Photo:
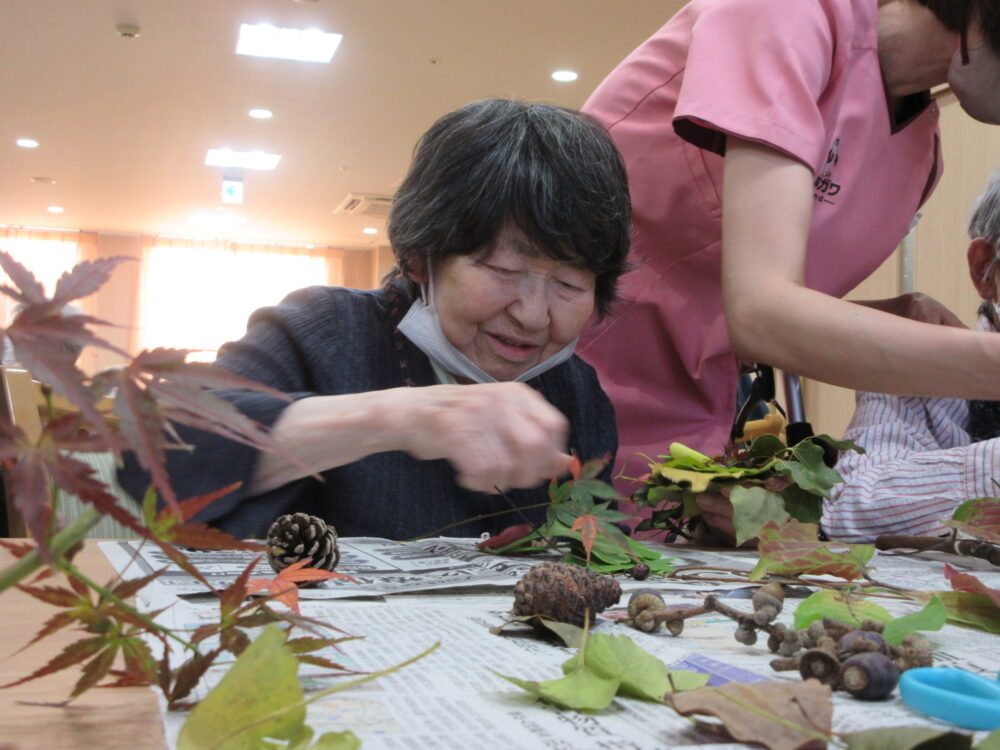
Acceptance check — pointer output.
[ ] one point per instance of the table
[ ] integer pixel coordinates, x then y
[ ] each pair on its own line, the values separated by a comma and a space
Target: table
125, 718
454, 694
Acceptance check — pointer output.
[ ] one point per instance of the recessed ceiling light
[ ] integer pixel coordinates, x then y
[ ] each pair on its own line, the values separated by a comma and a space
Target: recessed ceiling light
27, 143
42, 180
56, 209
564, 76
220, 218
370, 230
261, 114
308, 45
226, 157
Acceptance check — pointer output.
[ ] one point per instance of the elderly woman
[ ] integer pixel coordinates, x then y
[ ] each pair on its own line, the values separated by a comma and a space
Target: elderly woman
778, 151
418, 401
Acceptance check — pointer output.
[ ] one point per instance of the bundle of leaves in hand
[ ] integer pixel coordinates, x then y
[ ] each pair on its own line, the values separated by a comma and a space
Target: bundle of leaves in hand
587, 529
768, 481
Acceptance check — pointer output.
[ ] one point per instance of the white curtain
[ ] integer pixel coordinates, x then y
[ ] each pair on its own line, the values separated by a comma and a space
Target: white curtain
198, 295
46, 254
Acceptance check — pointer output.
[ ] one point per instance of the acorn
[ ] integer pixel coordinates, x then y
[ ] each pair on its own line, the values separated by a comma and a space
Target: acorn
767, 602
821, 665
860, 642
641, 604
745, 634
870, 676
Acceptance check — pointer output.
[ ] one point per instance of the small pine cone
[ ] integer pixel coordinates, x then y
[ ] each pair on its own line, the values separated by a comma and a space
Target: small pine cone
564, 592
298, 536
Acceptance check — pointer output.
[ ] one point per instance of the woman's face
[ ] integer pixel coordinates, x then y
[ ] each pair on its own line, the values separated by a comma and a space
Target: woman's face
513, 309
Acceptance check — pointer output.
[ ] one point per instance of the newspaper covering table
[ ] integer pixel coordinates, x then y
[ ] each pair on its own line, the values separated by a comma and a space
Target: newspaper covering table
409, 596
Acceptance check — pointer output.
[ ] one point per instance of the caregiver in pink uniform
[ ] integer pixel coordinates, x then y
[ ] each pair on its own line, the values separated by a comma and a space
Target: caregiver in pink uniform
777, 152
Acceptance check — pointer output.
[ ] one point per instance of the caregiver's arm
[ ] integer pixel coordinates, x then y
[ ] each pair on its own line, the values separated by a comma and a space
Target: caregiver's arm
496, 434
773, 318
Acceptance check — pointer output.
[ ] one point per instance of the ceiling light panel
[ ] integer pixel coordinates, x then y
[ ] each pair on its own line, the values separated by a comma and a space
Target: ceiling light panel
226, 157
564, 76
259, 113
307, 45
27, 143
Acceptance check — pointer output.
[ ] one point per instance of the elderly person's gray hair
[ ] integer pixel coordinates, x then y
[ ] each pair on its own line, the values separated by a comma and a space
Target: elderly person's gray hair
984, 220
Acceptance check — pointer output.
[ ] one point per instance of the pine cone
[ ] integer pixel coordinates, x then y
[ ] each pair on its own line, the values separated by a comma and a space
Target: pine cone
564, 592
299, 536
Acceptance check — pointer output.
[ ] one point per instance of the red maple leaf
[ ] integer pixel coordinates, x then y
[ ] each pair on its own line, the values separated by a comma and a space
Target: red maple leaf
284, 586
159, 387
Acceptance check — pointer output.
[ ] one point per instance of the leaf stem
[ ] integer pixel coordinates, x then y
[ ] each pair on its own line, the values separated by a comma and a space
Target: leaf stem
70, 569
58, 545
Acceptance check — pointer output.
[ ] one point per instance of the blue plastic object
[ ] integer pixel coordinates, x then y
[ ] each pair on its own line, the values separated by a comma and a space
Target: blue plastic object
963, 698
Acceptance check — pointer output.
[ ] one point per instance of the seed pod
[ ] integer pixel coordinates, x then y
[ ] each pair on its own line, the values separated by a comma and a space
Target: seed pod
644, 599
821, 665
870, 676
791, 643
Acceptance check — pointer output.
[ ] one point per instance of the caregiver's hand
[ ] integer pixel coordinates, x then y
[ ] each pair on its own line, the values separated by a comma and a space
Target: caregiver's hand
495, 435
916, 306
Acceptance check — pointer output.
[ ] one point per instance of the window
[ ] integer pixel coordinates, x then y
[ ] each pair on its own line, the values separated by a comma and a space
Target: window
198, 295
46, 254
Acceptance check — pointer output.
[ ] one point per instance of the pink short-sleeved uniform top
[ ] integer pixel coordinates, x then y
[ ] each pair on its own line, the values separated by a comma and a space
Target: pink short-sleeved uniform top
802, 76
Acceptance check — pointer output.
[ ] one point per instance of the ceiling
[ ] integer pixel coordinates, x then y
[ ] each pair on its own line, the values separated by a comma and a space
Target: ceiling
124, 124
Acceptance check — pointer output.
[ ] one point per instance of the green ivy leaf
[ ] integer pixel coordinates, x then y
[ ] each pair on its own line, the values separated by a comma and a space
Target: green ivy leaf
640, 674
837, 605
581, 690
766, 446
931, 617
262, 681
840, 444
907, 738
808, 470
801, 505
752, 508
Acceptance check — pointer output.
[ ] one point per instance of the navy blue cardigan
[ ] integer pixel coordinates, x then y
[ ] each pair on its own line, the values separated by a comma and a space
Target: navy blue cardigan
329, 341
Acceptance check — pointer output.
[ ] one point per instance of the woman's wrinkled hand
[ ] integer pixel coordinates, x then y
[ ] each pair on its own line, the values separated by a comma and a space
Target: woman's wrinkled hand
916, 306
496, 435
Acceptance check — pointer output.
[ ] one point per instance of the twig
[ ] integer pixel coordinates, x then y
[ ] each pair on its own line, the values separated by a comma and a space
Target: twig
480, 517
977, 548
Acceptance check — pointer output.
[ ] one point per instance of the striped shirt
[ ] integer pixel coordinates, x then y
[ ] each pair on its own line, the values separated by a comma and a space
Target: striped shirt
919, 466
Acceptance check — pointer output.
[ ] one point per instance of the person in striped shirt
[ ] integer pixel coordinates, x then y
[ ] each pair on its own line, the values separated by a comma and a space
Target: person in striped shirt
925, 456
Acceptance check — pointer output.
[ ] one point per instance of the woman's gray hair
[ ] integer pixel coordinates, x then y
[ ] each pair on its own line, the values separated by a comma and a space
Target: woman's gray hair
984, 221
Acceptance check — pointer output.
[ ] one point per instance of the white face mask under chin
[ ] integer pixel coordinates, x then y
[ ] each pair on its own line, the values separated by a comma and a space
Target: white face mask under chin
423, 328
977, 83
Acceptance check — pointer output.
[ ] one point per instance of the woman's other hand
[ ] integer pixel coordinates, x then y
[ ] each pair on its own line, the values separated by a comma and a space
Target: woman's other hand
916, 306
496, 435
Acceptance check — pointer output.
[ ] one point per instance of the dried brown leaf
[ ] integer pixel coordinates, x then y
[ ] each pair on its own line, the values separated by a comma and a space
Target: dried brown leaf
778, 715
